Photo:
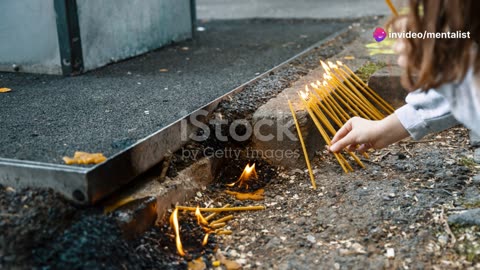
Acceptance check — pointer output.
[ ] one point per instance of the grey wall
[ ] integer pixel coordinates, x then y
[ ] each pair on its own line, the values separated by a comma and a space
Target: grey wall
28, 36
117, 29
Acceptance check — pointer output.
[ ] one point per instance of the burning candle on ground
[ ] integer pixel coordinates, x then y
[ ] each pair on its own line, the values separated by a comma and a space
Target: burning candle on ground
248, 174
176, 228
305, 153
205, 239
200, 219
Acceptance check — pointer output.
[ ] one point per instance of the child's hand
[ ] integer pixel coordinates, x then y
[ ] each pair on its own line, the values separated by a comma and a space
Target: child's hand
366, 134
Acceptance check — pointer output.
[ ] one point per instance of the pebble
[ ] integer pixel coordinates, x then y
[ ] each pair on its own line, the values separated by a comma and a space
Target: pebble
301, 221
273, 243
476, 179
443, 240
311, 239
390, 253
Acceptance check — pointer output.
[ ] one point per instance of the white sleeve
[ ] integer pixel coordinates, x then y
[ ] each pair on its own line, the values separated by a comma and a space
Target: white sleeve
424, 113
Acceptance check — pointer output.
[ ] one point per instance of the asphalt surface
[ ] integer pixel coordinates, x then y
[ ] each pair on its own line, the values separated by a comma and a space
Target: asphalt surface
319, 9
47, 117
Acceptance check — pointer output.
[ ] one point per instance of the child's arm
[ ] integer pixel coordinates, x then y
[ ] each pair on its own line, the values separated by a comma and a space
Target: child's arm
425, 112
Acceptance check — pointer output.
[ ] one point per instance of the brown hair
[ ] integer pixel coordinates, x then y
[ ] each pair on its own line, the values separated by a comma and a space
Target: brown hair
432, 62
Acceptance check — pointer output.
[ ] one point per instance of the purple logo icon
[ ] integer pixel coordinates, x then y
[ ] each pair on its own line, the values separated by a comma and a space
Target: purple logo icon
379, 34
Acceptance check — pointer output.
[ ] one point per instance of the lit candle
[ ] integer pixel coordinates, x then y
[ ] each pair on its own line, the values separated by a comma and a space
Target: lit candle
345, 95
362, 105
366, 105
330, 128
327, 110
338, 156
321, 91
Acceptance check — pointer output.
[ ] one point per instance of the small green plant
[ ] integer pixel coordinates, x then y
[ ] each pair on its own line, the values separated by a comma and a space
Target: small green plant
365, 71
467, 162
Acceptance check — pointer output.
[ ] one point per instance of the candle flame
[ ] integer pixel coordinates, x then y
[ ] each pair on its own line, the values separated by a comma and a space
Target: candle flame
205, 239
332, 65
340, 63
248, 174
176, 227
314, 85
325, 66
200, 219
303, 95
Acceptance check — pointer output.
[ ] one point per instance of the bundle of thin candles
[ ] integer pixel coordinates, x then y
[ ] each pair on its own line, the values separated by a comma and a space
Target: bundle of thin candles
331, 102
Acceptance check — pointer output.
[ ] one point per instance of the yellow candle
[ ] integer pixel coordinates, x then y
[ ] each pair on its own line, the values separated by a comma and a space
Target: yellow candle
225, 209
374, 113
374, 98
366, 87
349, 99
392, 7
332, 103
355, 99
325, 121
324, 135
305, 154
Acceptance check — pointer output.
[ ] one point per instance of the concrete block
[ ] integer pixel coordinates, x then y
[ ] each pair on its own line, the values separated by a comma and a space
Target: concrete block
474, 139
150, 199
285, 151
386, 82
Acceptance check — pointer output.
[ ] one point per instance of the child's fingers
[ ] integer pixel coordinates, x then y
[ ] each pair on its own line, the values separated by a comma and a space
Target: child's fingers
342, 132
364, 147
352, 147
342, 143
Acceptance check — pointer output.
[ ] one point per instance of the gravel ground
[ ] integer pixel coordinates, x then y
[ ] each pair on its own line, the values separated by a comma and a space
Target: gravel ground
399, 203
390, 215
